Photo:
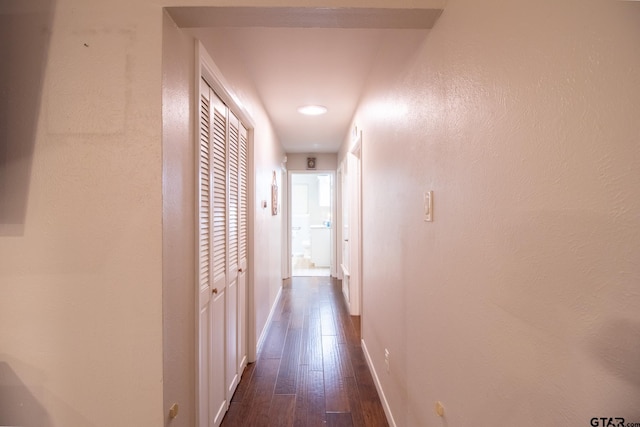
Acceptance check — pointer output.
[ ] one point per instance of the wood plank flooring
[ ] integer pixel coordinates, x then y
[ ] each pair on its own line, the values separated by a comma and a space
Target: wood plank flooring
311, 370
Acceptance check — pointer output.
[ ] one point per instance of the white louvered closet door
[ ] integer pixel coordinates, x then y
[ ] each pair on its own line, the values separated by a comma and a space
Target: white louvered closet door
212, 258
232, 289
219, 339
243, 235
204, 254
222, 256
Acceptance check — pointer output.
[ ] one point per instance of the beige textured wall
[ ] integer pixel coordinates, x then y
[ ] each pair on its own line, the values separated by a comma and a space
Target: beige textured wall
80, 282
519, 304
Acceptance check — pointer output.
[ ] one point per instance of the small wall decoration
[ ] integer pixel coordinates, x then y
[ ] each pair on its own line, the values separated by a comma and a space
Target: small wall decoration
311, 163
274, 195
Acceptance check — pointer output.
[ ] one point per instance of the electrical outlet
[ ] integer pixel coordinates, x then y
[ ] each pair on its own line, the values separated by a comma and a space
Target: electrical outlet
173, 411
386, 360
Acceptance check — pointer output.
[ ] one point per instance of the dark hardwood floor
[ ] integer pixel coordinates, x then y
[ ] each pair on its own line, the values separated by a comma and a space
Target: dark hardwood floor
311, 370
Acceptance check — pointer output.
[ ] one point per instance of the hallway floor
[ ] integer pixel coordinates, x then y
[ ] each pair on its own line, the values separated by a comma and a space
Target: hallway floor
311, 370
312, 272
302, 266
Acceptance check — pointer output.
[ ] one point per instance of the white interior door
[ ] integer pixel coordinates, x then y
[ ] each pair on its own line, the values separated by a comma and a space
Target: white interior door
204, 255
222, 256
234, 265
355, 236
345, 264
243, 239
211, 260
218, 334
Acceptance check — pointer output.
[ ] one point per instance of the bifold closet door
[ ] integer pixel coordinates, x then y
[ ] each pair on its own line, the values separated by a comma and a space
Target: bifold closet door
243, 236
232, 288
222, 255
212, 258
204, 254
219, 339
237, 167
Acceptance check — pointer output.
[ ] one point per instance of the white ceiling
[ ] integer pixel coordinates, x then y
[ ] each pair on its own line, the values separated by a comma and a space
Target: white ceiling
292, 66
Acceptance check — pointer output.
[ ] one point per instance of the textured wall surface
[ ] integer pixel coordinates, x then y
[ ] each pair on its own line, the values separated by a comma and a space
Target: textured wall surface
80, 277
519, 304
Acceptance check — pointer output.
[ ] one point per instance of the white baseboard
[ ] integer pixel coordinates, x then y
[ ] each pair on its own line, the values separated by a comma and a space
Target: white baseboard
263, 334
376, 380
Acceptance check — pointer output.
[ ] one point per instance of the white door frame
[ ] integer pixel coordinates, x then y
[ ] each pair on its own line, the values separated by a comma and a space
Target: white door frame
332, 243
286, 244
356, 294
351, 183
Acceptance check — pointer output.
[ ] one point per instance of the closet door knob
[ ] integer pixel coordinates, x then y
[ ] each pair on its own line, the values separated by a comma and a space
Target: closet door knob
214, 291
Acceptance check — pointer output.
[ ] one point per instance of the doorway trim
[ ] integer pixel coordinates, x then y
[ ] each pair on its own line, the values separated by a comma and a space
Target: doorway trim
351, 185
332, 243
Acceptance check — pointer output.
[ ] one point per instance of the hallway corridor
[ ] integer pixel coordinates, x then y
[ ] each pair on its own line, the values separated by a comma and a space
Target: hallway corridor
311, 370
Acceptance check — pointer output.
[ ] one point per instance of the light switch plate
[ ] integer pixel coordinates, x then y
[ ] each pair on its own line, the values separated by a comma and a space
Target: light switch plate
428, 206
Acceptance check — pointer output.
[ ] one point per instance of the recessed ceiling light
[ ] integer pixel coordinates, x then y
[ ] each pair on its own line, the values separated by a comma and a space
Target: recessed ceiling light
312, 110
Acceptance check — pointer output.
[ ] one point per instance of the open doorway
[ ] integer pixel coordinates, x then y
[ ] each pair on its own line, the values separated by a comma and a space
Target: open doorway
311, 223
